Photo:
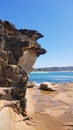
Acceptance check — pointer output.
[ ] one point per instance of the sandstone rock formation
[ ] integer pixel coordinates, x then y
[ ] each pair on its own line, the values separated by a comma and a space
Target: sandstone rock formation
20, 45
18, 52
47, 86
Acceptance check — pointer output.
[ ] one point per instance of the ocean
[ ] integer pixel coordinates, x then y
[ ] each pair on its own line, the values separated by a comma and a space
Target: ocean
55, 77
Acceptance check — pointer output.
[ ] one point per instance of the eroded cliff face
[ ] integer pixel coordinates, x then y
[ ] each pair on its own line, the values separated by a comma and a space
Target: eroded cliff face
18, 52
18, 47
20, 43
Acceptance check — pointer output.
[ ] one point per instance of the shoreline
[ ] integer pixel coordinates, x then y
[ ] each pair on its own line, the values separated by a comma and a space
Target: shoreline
49, 71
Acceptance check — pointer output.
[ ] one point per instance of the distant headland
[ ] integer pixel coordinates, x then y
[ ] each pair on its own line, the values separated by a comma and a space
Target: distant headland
69, 68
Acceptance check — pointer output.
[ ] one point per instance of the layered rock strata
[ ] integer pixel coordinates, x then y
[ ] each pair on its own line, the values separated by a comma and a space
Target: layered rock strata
18, 52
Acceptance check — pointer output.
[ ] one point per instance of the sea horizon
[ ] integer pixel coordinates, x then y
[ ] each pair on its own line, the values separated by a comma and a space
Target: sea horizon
51, 76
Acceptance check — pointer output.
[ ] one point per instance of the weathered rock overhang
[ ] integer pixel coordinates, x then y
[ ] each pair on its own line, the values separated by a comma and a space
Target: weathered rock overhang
20, 42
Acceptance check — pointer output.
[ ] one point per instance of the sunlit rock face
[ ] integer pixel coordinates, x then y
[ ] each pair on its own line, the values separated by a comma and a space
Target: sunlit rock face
27, 60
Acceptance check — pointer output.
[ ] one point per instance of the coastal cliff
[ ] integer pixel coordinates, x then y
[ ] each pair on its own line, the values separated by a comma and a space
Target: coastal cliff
19, 50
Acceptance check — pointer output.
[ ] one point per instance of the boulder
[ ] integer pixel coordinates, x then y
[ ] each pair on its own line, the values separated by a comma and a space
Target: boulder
47, 86
30, 84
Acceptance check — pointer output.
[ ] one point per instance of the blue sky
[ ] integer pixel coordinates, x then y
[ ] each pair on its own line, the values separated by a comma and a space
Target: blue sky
52, 18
